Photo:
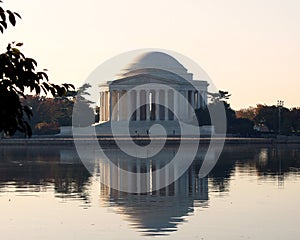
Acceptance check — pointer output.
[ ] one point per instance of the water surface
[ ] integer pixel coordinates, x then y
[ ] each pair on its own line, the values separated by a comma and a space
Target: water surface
252, 193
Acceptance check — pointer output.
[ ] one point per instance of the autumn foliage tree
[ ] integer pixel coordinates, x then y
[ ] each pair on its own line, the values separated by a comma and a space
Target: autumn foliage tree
49, 114
268, 116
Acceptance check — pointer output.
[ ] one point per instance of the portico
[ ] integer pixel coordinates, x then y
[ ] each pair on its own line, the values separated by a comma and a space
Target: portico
152, 101
154, 87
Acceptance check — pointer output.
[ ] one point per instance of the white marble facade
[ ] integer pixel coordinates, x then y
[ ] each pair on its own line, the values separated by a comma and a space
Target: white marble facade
149, 68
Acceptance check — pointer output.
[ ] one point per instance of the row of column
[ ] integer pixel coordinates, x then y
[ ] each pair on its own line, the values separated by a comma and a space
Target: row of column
121, 105
104, 106
188, 184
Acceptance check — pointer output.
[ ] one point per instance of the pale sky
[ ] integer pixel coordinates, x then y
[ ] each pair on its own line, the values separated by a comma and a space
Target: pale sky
250, 48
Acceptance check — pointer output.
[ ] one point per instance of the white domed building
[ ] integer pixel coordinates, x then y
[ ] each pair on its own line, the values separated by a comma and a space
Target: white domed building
153, 88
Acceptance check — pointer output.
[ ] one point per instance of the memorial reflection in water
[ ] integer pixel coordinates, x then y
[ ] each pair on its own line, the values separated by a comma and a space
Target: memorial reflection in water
155, 212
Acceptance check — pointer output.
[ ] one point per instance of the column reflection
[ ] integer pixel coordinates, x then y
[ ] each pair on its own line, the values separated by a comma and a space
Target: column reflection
156, 212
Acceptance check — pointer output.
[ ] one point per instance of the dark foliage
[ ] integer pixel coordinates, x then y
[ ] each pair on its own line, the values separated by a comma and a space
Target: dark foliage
237, 126
17, 74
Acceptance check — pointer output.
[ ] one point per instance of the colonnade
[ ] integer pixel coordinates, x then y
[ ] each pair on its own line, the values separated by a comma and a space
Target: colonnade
121, 105
104, 106
188, 184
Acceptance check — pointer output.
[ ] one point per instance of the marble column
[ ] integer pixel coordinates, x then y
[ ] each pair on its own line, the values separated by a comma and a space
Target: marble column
148, 105
186, 105
118, 105
173, 99
180, 104
133, 104
193, 100
204, 99
192, 103
129, 105
110, 104
201, 99
122, 106
156, 104
198, 99
138, 112
176, 106
100, 108
104, 106
166, 105
114, 106
162, 104
120, 109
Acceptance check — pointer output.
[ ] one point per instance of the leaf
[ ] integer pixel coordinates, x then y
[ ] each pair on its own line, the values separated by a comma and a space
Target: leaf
32, 61
44, 89
68, 86
1, 29
18, 15
11, 17
2, 14
16, 51
46, 85
37, 90
4, 24
43, 74
52, 90
19, 44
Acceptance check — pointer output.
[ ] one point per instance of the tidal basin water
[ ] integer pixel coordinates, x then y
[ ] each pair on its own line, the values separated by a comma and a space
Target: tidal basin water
252, 193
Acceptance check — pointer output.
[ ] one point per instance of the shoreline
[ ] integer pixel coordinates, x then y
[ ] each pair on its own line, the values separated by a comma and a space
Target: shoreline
109, 141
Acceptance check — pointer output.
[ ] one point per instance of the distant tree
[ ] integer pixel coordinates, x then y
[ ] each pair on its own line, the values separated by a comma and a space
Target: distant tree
247, 113
48, 114
238, 126
17, 74
83, 113
295, 120
269, 116
97, 114
216, 99
264, 115
221, 96
203, 117
51, 113
243, 127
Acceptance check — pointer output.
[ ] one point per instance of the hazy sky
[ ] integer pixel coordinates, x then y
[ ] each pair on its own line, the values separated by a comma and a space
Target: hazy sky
249, 47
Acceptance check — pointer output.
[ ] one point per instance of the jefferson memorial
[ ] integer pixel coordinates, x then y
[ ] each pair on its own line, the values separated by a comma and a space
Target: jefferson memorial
153, 88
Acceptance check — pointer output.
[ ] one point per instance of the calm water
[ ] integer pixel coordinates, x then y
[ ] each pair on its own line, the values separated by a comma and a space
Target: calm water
252, 193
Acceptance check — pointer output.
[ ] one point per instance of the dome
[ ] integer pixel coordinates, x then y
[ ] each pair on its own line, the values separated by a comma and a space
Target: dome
159, 73
157, 60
